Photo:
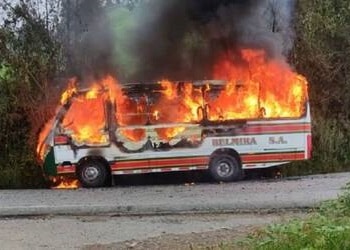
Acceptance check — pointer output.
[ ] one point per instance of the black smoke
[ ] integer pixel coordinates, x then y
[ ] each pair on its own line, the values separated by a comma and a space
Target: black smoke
181, 40
87, 39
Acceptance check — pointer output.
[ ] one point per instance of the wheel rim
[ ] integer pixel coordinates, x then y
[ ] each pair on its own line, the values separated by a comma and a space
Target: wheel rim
224, 169
91, 173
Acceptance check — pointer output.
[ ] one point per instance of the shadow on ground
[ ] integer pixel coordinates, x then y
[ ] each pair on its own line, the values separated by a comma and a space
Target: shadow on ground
190, 178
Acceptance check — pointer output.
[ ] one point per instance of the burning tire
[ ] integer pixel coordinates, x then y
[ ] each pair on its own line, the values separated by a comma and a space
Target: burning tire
92, 173
225, 167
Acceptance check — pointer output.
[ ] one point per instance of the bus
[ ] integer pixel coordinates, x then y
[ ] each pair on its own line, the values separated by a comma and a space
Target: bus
169, 127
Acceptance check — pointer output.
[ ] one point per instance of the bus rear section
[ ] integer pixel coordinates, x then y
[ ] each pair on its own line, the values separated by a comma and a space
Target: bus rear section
143, 129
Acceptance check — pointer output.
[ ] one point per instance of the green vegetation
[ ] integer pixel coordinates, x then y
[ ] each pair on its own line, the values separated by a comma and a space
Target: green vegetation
326, 229
322, 52
28, 61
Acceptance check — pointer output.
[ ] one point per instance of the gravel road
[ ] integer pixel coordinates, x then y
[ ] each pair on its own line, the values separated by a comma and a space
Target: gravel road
135, 232
193, 215
296, 193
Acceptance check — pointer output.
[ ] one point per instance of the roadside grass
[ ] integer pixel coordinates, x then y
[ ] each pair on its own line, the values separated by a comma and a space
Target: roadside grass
326, 228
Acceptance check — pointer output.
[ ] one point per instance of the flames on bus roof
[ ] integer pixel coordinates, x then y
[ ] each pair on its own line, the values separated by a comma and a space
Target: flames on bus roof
258, 88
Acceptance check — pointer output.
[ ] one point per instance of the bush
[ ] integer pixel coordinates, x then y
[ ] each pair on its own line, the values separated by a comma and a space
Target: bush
29, 60
329, 228
322, 52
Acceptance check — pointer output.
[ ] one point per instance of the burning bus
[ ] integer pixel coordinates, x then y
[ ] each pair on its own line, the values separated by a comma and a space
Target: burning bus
256, 118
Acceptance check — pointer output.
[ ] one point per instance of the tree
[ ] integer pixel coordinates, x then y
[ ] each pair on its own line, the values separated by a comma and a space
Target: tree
322, 54
32, 59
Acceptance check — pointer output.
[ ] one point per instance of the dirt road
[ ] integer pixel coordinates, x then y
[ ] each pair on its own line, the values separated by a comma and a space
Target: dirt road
131, 217
136, 232
303, 192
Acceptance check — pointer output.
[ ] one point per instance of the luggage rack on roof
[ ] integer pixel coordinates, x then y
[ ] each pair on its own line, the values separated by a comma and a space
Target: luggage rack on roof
135, 89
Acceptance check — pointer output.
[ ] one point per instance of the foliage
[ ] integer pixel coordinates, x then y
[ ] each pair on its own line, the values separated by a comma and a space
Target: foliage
29, 62
329, 228
18, 168
322, 53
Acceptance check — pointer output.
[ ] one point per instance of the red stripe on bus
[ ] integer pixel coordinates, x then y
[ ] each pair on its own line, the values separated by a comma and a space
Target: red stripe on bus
256, 158
130, 164
305, 125
264, 129
273, 157
161, 170
184, 163
61, 140
173, 162
201, 161
65, 169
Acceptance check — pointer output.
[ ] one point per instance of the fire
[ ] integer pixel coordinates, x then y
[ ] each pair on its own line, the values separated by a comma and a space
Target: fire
255, 87
169, 133
258, 87
63, 182
93, 93
85, 120
178, 103
42, 146
71, 90
134, 134
156, 115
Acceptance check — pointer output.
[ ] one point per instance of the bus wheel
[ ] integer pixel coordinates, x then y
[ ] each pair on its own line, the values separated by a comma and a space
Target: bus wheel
225, 168
92, 173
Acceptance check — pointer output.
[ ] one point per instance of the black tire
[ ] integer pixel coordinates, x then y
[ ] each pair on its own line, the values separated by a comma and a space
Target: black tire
225, 168
93, 173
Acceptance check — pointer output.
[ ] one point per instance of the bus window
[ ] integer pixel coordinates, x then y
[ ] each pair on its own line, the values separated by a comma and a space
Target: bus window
177, 103
235, 101
85, 121
131, 112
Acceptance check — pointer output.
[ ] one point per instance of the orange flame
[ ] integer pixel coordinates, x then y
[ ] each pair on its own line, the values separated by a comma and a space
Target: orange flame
63, 182
85, 120
70, 91
256, 87
42, 146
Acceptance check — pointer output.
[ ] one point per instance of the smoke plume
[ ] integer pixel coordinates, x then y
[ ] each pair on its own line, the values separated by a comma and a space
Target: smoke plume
181, 40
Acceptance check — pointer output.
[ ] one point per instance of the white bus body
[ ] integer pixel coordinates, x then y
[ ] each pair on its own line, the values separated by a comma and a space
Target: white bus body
225, 149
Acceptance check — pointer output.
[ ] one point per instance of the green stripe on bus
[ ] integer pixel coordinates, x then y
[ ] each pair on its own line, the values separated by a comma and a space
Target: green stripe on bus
50, 168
